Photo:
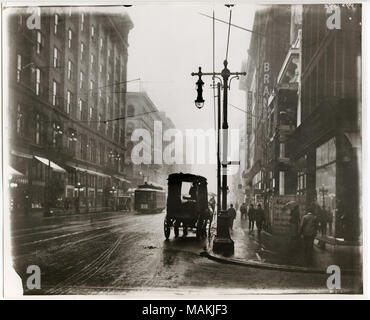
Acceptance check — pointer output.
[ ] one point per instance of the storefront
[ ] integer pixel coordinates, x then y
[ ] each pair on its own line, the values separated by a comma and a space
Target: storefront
18, 190
327, 178
325, 153
325, 187
42, 181
85, 188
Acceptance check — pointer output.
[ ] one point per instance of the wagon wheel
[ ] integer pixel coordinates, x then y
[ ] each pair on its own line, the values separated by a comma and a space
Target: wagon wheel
166, 228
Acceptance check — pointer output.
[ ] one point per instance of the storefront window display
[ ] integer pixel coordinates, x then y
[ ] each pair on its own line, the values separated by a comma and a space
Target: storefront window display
325, 186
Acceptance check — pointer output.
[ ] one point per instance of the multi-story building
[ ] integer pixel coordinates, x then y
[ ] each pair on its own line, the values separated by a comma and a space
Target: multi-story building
143, 114
268, 47
237, 192
66, 89
311, 122
326, 145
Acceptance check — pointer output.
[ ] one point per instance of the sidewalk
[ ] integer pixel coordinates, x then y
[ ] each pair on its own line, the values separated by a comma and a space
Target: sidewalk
281, 253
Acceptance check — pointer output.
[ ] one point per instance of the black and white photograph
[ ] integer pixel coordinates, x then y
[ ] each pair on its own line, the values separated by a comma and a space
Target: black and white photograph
201, 149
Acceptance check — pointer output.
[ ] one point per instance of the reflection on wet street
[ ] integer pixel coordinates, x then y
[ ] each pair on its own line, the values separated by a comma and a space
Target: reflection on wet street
117, 253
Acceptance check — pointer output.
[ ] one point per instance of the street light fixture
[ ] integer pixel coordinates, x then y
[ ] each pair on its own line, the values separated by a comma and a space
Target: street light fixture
199, 102
72, 135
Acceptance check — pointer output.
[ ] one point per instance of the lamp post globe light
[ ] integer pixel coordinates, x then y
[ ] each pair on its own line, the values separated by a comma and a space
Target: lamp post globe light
199, 102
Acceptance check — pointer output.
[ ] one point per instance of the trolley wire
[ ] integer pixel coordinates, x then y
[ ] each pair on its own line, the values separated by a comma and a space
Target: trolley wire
228, 34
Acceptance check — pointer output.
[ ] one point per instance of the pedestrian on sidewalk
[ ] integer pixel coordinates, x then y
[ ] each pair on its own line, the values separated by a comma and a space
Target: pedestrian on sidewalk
294, 222
232, 215
324, 220
260, 218
128, 204
212, 203
251, 216
243, 211
308, 231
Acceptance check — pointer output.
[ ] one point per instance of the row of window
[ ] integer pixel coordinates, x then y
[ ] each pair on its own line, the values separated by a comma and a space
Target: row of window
87, 150
56, 27
70, 69
56, 88
21, 125
97, 152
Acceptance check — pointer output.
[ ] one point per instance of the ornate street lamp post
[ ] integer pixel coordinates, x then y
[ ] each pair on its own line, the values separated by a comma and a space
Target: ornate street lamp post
223, 242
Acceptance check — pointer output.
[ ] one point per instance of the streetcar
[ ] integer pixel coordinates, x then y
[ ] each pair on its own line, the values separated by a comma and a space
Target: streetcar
149, 198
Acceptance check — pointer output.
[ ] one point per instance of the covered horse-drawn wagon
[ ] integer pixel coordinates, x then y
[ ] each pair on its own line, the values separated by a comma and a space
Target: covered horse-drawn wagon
187, 205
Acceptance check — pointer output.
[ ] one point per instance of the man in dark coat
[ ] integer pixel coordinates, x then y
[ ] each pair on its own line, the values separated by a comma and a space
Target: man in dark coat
212, 203
294, 221
193, 191
260, 218
243, 211
251, 216
232, 215
308, 231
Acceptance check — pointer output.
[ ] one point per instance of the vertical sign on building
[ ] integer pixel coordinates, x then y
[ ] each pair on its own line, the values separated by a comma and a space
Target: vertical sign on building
266, 84
249, 112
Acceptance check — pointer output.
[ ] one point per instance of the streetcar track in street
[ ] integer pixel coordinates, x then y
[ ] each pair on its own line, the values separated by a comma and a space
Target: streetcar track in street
88, 271
67, 235
70, 244
55, 227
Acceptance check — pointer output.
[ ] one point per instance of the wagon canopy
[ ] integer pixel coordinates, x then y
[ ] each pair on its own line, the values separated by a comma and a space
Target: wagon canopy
185, 177
180, 207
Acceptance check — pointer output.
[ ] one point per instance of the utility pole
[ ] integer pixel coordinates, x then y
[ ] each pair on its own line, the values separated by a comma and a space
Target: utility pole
223, 242
218, 147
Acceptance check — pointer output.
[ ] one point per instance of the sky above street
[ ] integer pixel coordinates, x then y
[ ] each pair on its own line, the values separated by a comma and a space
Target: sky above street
169, 42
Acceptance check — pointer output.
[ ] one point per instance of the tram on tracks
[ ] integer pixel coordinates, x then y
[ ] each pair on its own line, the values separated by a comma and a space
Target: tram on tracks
149, 198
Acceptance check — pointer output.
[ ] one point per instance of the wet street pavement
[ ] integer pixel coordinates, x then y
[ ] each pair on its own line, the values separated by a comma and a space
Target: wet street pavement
126, 253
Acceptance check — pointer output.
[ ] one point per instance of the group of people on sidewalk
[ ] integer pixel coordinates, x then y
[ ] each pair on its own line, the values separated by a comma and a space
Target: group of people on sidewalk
305, 227
255, 216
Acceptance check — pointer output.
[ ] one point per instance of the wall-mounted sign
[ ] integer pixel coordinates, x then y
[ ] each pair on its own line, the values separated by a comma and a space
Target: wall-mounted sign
249, 112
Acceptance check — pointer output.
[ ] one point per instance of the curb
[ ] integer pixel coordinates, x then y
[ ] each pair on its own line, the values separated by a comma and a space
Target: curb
271, 266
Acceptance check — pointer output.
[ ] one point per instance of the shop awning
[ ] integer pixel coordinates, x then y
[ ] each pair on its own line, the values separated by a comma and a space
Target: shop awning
122, 179
92, 172
52, 164
21, 154
354, 138
14, 173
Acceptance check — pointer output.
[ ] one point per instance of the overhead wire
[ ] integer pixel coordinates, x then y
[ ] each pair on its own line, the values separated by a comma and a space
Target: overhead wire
228, 36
